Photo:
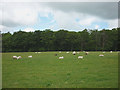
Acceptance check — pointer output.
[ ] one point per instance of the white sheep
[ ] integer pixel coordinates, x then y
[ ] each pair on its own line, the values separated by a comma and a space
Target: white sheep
101, 55
19, 57
80, 57
59, 51
39, 52
104, 52
67, 52
78, 52
30, 56
74, 53
86, 53
14, 57
61, 57
110, 51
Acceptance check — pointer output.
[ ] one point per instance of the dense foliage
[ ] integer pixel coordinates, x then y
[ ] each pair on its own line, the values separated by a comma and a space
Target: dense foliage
63, 40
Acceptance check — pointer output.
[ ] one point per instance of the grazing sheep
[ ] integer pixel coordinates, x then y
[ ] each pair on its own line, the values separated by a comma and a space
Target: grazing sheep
101, 55
30, 56
80, 57
19, 57
39, 52
14, 57
74, 53
78, 52
104, 52
86, 53
110, 51
36, 52
59, 51
61, 57
67, 52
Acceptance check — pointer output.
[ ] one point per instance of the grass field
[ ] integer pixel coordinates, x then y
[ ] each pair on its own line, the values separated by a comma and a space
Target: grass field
45, 70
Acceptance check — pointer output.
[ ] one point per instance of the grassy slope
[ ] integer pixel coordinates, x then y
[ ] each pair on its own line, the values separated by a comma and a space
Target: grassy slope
46, 70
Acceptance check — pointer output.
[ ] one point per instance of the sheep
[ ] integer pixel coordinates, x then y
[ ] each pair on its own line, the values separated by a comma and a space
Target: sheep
39, 52
67, 52
14, 57
78, 52
36, 52
61, 57
30, 56
74, 53
80, 57
86, 53
19, 57
104, 52
59, 51
101, 55
110, 51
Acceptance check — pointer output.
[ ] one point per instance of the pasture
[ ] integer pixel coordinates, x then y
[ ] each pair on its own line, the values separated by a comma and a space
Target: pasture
45, 70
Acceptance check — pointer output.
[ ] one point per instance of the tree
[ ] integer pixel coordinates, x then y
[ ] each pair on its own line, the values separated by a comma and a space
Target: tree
64, 40
84, 38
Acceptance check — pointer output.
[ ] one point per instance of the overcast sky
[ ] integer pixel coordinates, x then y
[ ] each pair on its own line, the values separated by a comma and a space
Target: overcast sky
74, 16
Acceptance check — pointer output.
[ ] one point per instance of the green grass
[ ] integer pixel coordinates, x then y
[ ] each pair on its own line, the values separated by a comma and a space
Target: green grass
45, 70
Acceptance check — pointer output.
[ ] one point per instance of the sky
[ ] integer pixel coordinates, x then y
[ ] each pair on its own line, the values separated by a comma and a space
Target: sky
69, 15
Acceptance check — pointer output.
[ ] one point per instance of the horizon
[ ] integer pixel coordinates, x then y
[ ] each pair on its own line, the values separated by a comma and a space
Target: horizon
58, 30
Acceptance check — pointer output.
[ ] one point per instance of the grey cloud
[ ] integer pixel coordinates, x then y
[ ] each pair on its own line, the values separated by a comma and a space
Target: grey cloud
105, 10
9, 23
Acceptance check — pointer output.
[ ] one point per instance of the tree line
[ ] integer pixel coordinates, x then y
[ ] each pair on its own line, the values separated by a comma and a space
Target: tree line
62, 40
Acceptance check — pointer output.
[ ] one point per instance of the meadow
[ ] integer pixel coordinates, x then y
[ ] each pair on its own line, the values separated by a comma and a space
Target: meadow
45, 70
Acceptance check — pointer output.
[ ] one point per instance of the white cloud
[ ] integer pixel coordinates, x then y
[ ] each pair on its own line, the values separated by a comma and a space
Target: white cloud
112, 23
68, 20
15, 15
65, 20
5, 29
2, 27
87, 21
96, 26
19, 15
28, 30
